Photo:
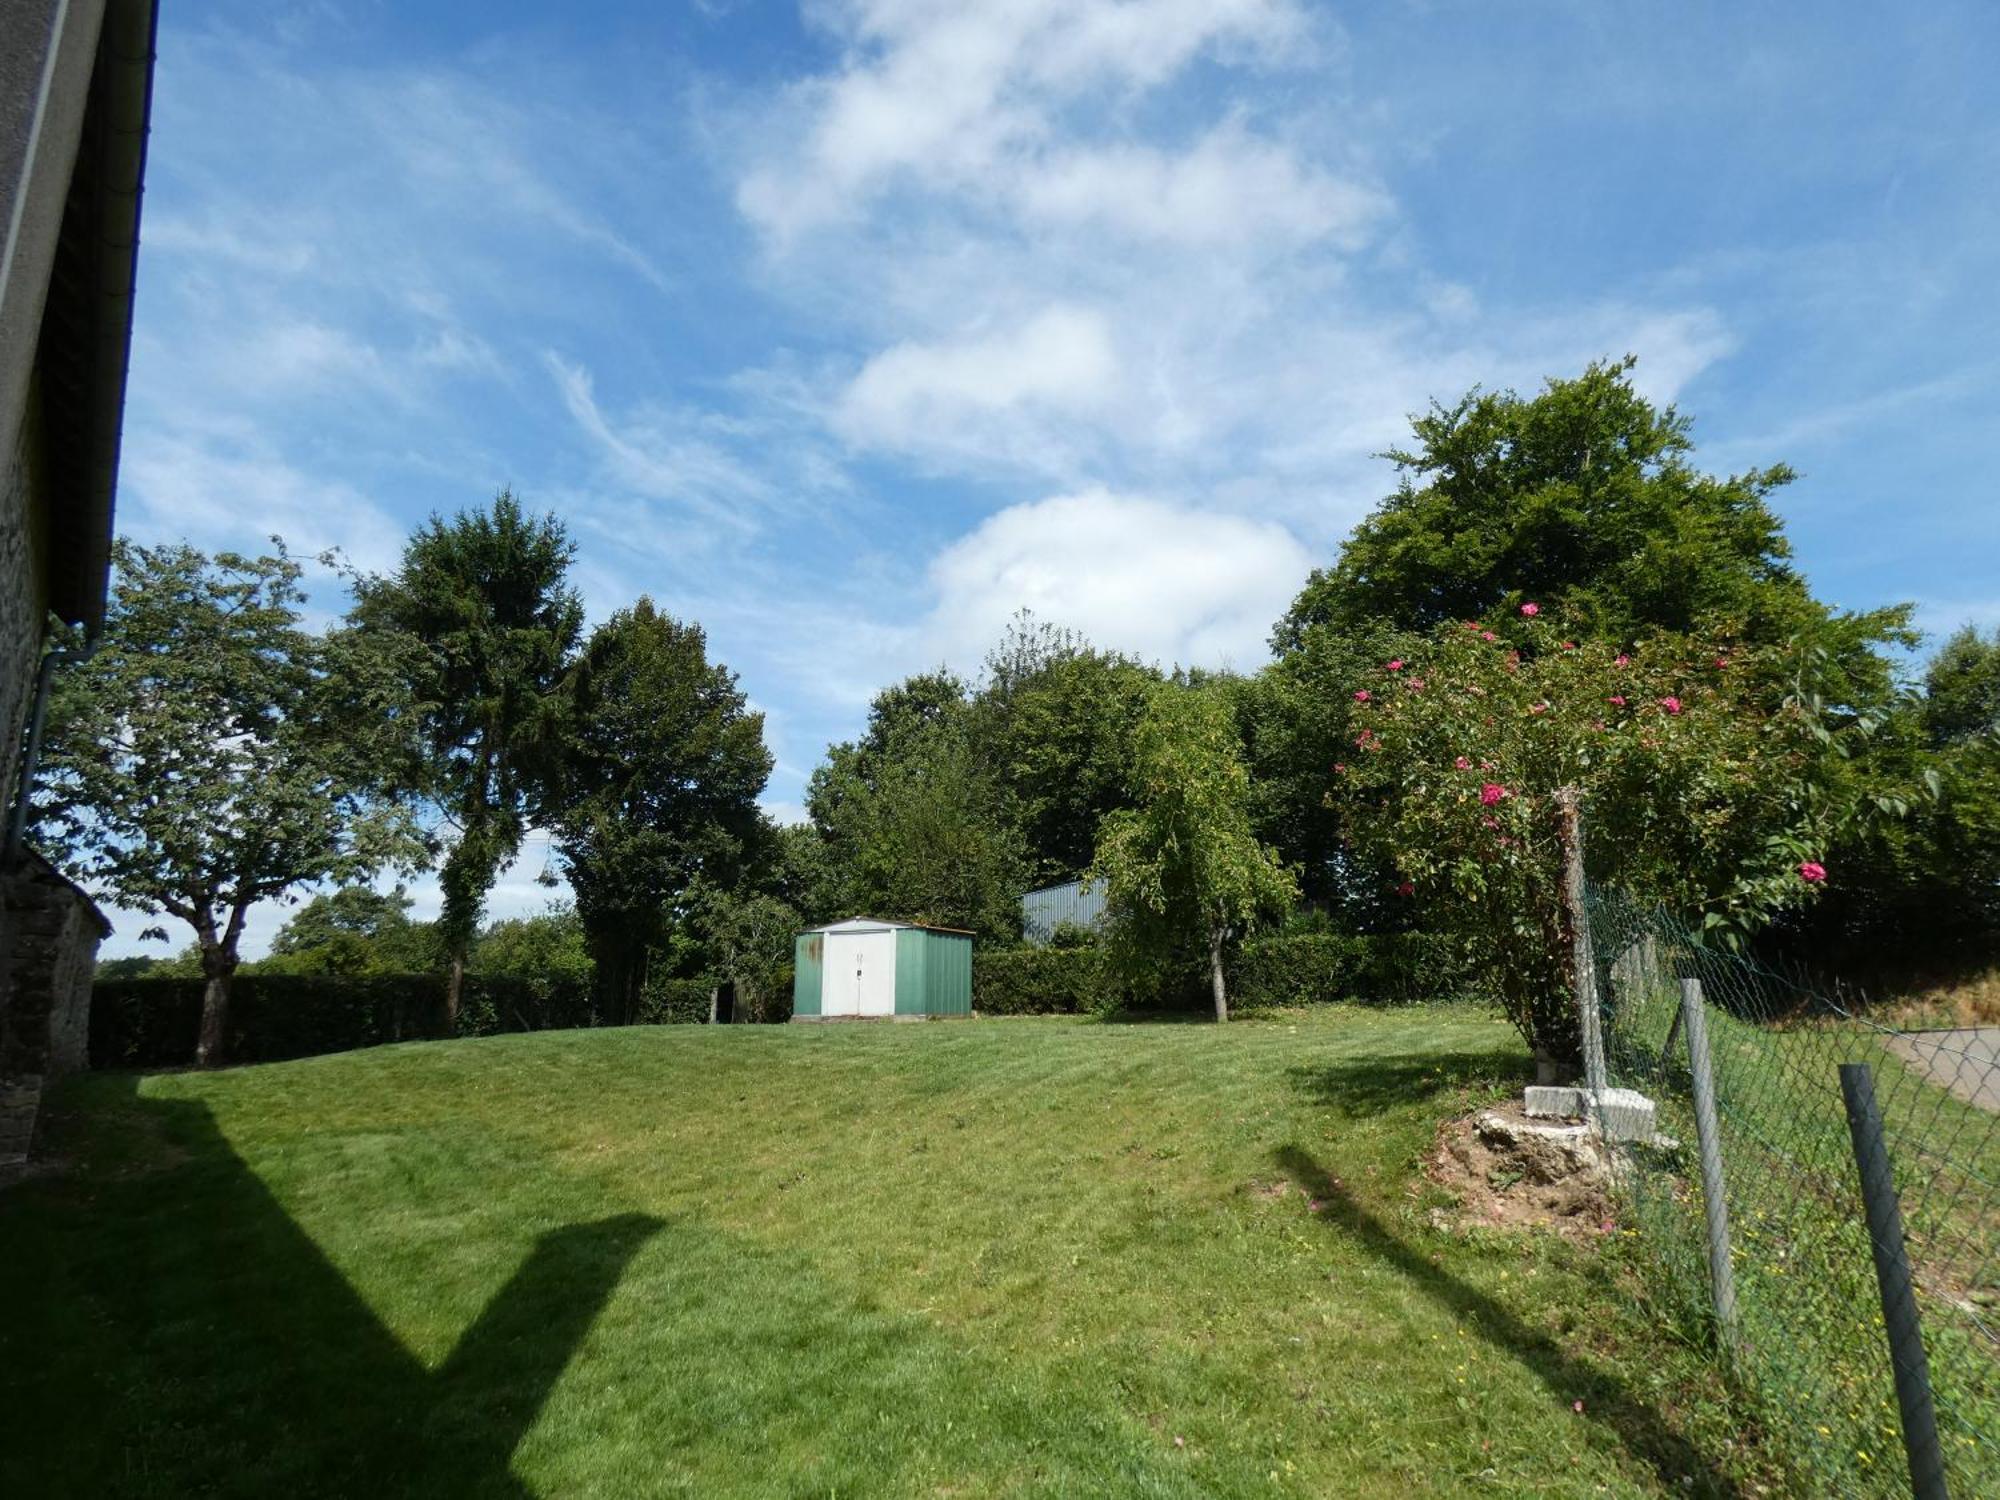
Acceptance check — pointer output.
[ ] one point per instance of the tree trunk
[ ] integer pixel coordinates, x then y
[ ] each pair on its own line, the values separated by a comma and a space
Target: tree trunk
454, 988
218, 968
1215, 939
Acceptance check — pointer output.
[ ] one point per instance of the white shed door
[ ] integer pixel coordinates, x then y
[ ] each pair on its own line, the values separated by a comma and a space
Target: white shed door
859, 978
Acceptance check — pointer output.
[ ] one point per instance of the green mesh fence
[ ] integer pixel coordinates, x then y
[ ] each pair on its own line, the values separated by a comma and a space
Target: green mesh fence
1811, 1362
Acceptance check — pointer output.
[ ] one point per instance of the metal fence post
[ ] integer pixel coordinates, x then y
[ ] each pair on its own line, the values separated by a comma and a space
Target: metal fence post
1583, 962
1892, 1278
1708, 1136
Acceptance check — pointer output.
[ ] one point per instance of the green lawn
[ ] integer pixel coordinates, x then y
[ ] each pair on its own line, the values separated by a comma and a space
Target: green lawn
999, 1257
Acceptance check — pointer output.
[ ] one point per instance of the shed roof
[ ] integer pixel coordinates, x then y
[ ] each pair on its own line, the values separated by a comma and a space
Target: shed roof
883, 924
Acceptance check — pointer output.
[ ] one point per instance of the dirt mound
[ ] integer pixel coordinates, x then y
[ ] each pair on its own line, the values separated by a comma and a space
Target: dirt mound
1510, 1171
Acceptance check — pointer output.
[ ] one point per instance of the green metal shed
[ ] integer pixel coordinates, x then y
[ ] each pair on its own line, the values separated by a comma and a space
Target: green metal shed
865, 967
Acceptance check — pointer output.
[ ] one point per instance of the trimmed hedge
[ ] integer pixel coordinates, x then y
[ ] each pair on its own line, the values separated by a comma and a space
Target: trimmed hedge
153, 1023
1392, 968
1303, 970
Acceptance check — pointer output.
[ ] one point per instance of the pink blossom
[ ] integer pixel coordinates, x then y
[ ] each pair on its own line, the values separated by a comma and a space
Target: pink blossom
1721, 662
1463, 763
1671, 705
1362, 695
1340, 768
1812, 872
1416, 684
1407, 888
1491, 793
1396, 665
1490, 821
1487, 635
1617, 698
1531, 610
1538, 708
1621, 660
1569, 645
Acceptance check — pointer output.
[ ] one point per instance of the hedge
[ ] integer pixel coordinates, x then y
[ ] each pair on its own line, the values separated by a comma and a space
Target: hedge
151, 1023
1301, 970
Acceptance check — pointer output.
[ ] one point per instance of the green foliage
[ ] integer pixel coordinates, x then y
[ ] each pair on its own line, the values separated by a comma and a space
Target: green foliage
1182, 869
1705, 790
481, 614
661, 767
746, 940
152, 1022
1583, 496
204, 683
353, 930
548, 946
1313, 968
1042, 981
1962, 689
914, 823
1055, 719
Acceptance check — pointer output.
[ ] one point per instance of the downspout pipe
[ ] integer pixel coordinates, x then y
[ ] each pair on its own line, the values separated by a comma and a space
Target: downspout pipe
31, 754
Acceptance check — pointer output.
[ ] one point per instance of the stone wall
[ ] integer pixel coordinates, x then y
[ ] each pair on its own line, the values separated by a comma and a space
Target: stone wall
22, 605
45, 979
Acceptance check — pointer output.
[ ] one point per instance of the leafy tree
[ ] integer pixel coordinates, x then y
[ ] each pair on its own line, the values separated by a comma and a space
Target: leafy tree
1583, 497
487, 621
1183, 865
353, 930
800, 872
912, 820
746, 936
662, 765
1962, 689
1705, 791
550, 945
208, 756
1055, 719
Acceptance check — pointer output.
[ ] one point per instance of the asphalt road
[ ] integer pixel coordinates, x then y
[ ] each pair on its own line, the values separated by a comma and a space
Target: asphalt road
1966, 1062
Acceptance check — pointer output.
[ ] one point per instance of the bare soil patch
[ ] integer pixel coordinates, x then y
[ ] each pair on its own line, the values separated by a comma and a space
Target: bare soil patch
1509, 1171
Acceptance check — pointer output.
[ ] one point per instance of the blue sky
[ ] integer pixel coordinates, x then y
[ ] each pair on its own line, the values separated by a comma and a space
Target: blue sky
849, 328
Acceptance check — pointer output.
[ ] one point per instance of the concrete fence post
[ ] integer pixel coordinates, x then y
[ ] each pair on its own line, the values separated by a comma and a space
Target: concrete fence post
1583, 961
1714, 1189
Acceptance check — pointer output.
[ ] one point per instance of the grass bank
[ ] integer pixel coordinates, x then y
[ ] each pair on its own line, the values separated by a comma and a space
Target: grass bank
1008, 1257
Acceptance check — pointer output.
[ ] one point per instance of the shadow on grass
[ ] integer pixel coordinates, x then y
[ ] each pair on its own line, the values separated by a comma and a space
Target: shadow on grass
1606, 1399
1358, 1087
191, 1336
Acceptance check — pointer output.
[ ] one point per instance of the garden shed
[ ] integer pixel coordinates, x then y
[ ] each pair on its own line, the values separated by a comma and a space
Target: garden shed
866, 967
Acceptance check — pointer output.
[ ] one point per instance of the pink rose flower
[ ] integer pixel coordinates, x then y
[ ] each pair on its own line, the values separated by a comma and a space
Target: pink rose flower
1487, 635
1463, 763
1416, 684
1491, 793
1721, 662
1621, 660
1569, 645
1538, 708
1340, 768
1617, 698
1396, 665
1812, 872
1407, 888
1531, 610
1362, 695
1671, 705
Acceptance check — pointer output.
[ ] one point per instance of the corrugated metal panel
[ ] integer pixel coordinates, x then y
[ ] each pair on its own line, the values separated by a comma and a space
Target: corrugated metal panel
950, 974
911, 952
1077, 902
807, 950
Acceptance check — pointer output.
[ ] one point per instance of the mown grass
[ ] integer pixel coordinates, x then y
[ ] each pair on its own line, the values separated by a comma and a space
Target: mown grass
1016, 1257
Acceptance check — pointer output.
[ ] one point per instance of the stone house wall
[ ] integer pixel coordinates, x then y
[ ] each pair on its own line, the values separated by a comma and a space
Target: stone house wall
45, 977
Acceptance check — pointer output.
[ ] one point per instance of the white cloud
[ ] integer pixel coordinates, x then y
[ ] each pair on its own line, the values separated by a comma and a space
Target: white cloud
917, 394
1167, 582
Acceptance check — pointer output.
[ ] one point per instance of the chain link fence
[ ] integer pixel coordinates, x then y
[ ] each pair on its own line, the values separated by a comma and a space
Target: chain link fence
1809, 1353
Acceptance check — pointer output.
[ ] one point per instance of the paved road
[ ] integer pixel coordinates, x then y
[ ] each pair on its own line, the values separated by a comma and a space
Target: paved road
1966, 1062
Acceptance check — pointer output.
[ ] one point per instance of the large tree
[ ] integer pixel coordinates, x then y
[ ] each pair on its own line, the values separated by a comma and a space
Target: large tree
353, 930
1585, 497
1183, 867
211, 754
661, 768
914, 824
483, 606
1055, 719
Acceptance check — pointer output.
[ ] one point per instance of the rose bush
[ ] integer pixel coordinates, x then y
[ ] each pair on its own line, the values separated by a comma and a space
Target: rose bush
1709, 786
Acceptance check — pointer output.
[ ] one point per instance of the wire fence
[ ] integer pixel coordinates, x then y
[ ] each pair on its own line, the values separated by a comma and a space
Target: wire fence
1809, 1353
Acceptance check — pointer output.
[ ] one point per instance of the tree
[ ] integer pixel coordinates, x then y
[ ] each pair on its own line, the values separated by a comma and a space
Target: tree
353, 930
1705, 790
661, 769
210, 756
1184, 864
746, 937
487, 621
912, 820
1962, 689
1055, 720
550, 945
1585, 499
